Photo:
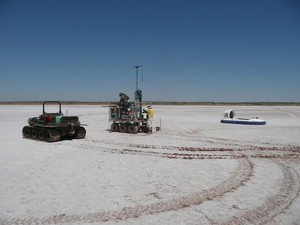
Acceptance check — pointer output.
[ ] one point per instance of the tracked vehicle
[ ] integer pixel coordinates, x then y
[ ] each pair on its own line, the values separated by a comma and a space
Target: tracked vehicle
129, 118
53, 127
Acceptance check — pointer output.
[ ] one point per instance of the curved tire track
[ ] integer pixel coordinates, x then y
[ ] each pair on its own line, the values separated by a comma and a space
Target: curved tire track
232, 147
275, 204
213, 154
225, 142
242, 174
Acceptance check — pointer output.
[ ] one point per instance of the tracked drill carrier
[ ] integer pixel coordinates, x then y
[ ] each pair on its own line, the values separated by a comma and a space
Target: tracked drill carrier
52, 127
129, 118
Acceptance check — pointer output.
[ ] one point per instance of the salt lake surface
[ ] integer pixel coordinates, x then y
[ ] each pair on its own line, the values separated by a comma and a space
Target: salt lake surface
195, 170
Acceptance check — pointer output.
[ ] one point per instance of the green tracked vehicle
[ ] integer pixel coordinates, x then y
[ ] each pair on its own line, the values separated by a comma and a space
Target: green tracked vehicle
53, 127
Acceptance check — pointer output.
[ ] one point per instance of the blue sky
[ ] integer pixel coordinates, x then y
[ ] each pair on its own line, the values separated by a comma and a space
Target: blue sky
219, 50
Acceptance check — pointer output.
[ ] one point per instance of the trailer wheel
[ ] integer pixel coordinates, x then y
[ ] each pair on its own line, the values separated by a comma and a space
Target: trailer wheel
133, 128
146, 129
114, 127
123, 128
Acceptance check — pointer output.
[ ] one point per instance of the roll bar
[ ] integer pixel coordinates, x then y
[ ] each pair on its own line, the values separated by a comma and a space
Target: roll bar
56, 102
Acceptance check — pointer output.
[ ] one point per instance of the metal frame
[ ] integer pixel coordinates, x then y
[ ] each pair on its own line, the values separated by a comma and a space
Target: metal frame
46, 102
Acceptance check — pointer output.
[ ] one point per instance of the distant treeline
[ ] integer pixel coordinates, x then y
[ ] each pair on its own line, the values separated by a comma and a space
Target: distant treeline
226, 103
152, 102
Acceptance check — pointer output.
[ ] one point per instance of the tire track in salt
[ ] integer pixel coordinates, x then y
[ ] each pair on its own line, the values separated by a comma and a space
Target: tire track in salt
284, 153
241, 175
212, 154
237, 144
196, 149
189, 135
225, 142
275, 204
294, 149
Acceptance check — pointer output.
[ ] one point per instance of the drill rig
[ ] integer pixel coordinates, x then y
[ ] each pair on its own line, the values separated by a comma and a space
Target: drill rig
129, 118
